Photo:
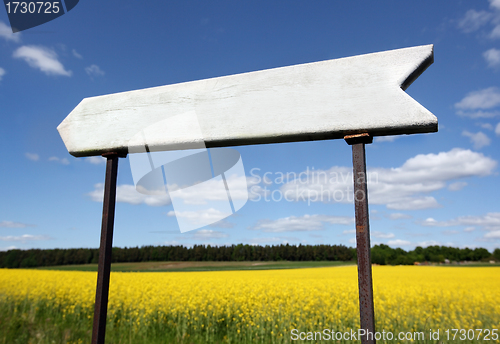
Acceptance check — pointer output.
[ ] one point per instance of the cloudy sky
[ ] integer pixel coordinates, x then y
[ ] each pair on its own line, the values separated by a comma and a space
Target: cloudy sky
426, 189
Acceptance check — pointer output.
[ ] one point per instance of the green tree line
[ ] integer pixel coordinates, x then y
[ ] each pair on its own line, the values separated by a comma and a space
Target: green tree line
52, 257
385, 255
381, 254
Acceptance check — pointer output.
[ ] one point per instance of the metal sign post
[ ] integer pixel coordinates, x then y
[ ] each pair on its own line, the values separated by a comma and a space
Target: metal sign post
104, 267
366, 307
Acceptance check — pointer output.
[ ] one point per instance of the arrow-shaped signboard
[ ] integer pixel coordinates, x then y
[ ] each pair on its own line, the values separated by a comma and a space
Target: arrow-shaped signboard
312, 101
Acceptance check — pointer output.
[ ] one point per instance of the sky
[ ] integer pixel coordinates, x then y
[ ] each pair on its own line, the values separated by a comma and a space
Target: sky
427, 189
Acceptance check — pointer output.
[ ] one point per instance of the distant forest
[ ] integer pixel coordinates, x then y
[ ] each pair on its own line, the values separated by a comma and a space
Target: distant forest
381, 254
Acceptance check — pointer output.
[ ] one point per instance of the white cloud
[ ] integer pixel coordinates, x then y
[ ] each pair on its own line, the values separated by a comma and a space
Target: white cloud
301, 223
479, 139
497, 129
24, 238
8, 248
222, 224
469, 229
390, 138
457, 186
2, 73
398, 242
12, 224
473, 20
202, 194
94, 70
492, 56
489, 221
495, 33
207, 234
211, 190
171, 243
493, 235
485, 126
96, 160
397, 216
414, 203
444, 165
32, 156
6, 33
478, 114
429, 243
430, 222
474, 103
75, 54
495, 4
62, 161
266, 240
400, 188
200, 217
382, 235
41, 58
483, 99
349, 231
128, 194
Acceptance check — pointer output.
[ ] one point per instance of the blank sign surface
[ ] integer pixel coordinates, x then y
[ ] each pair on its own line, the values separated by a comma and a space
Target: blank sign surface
313, 101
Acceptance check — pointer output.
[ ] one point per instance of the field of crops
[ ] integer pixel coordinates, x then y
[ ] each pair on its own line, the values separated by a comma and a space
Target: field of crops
268, 306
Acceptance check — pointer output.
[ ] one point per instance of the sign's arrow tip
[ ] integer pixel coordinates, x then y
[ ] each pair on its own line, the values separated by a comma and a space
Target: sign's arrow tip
421, 67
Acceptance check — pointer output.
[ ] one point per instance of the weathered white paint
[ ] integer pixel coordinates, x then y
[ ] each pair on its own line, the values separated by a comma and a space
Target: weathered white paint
313, 101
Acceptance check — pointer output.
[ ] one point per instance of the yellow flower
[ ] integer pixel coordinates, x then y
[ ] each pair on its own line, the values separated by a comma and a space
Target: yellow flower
272, 302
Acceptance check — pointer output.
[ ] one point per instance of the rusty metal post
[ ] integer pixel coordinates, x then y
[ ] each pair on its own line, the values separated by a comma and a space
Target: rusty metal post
366, 308
104, 268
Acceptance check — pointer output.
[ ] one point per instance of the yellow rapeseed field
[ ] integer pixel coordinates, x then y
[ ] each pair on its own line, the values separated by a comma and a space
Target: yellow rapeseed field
267, 305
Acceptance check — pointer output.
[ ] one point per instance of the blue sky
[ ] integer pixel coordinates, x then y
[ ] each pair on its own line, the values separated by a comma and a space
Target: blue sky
439, 188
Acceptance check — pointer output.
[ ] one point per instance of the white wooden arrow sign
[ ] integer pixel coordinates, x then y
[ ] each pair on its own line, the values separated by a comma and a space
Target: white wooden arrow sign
312, 101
